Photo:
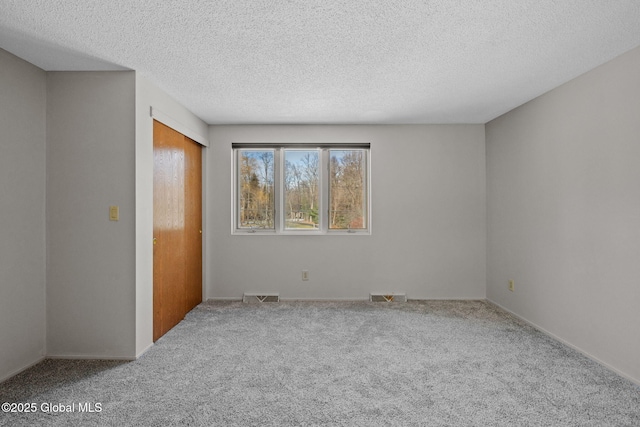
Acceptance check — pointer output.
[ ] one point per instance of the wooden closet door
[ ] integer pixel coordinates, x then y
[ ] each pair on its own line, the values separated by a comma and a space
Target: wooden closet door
177, 227
193, 223
169, 297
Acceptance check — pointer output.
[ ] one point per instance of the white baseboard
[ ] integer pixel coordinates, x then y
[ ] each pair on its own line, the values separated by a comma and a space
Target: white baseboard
88, 357
636, 381
366, 298
144, 350
24, 368
294, 299
324, 299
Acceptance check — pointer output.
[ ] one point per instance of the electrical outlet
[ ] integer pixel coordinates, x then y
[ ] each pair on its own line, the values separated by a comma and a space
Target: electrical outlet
511, 286
305, 275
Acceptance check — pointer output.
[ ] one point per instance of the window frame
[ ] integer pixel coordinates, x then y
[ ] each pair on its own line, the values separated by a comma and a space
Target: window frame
279, 188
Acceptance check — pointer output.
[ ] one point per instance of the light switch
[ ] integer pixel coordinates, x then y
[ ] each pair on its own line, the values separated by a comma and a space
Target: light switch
114, 213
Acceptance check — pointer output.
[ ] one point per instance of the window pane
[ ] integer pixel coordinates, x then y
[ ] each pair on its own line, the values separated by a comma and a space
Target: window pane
347, 189
301, 187
256, 187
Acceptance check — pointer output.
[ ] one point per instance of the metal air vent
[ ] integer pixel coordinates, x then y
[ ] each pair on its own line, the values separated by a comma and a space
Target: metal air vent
260, 298
387, 297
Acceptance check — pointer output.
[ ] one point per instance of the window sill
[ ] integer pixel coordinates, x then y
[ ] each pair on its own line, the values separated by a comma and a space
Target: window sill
301, 233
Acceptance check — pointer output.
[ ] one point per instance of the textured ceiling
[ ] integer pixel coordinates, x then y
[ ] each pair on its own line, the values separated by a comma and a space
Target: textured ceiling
329, 61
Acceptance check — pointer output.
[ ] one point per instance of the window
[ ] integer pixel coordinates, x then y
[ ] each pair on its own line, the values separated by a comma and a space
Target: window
301, 189
347, 184
256, 189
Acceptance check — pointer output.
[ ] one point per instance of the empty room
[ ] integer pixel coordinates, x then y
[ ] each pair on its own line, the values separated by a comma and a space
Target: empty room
289, 213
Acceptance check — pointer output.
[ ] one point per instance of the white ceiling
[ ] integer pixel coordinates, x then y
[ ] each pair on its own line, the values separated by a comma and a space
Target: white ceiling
330, 61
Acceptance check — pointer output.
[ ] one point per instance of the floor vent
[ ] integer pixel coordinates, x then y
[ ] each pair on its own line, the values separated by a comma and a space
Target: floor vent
259, 298
387, 297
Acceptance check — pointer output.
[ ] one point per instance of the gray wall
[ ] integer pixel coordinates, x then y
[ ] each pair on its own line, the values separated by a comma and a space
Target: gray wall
73, 144
561, 193
563, 176
22, 214
428, 219
91, 260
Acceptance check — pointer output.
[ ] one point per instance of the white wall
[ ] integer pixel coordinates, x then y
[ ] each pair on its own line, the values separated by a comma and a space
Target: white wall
563, 176
91, 260
428, 219
147, 96
22, 214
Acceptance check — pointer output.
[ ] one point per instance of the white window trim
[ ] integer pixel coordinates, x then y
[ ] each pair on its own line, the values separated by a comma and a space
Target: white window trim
279, 226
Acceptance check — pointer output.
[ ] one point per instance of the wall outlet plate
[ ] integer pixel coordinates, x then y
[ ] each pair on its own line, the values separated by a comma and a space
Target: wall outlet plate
114, 213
